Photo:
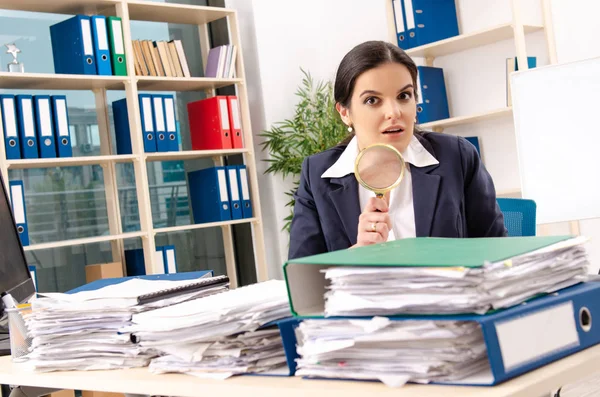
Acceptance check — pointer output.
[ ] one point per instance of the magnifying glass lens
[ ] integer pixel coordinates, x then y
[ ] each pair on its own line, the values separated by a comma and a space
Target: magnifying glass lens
380, 167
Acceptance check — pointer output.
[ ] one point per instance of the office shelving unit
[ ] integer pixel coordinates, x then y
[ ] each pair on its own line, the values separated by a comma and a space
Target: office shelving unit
128, 11
515, 30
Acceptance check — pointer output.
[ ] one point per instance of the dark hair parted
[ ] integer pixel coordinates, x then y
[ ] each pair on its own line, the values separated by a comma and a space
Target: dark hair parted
364, 57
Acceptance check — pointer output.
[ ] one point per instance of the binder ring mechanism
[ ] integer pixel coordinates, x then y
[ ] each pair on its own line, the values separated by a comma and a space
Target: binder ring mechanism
585, 319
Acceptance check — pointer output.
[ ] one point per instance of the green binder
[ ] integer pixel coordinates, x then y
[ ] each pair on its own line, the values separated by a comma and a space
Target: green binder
117, 47
307, 285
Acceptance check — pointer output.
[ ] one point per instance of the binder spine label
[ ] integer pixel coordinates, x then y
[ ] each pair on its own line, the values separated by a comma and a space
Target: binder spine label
534, 336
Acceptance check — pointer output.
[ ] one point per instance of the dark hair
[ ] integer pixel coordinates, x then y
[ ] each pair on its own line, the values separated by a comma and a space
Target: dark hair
362, 58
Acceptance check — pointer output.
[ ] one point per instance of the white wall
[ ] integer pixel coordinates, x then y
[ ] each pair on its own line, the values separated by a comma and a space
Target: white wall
277, 41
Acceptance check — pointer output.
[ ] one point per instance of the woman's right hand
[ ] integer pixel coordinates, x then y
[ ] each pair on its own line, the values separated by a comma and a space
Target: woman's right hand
374, 224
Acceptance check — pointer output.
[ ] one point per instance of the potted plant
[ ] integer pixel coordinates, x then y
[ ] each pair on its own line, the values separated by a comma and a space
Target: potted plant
315, 126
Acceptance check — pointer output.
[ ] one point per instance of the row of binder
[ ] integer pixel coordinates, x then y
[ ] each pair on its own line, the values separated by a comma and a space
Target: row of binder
159, 126
35, 126
89, 45
219, 194
164, 257
215, 123
17, 201
433, 100
420, 22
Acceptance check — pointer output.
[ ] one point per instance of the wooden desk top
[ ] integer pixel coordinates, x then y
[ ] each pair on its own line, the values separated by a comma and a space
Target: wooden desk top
141, 381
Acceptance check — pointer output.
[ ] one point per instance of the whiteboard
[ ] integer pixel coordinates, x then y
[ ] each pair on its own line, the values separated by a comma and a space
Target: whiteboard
557, 126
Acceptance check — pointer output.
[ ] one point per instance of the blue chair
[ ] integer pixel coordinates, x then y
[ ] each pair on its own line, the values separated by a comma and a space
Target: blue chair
519, 216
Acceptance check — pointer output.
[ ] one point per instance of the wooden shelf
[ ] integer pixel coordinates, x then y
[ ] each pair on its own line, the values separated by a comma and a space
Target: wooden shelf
203, 225
468, 41
71, 7
192, 154
68, 161
453, 121
48, 81
153, 83
175, 13
81, 241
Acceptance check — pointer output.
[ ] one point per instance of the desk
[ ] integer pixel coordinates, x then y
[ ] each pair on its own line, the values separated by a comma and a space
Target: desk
141, 381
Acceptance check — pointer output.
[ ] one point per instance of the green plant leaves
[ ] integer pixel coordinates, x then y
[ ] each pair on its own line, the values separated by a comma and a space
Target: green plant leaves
316, 126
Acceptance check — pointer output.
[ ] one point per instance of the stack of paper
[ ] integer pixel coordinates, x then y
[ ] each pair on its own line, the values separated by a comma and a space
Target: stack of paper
82, 330
217, 336
393, 352
388, 290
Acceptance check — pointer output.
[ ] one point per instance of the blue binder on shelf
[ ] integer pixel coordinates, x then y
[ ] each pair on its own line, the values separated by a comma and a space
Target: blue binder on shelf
101, 49
72, 46
97, 284
475, 142
433, 100
209, 195
17, 200
409, 24
400, 23
233, 187
171, 123
135, 265
44, 126
122, 131
8, 125
434, 20
244, 191
530, 335
26, 123
62, 133
148, 128
158, 110
169, 259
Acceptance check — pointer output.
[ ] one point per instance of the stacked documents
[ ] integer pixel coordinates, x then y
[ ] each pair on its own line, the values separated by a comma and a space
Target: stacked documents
388, 290
82, 330
393, 352
217, 336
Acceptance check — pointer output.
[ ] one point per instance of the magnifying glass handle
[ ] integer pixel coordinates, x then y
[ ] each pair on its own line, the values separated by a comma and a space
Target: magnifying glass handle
380, 196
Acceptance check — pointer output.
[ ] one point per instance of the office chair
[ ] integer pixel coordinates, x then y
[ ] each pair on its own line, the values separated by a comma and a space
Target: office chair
519, 216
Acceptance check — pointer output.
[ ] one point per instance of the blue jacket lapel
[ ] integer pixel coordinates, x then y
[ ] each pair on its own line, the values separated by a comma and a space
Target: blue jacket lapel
345, 200
425, 192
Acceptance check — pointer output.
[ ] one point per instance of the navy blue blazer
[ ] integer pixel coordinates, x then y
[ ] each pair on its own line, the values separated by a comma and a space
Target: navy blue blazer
455, 198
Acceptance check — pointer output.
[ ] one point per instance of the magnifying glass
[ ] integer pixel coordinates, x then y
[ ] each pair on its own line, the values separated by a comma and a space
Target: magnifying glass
379, 168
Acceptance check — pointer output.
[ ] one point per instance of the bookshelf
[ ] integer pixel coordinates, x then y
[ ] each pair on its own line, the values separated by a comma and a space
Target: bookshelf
515, 30
128, 11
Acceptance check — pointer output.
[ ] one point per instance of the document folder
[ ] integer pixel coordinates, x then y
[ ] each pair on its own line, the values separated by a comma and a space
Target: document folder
101, 50
435, 20
26, 122
17, 199
45, 126
162, 142
419, 252
171, 123
400, 24
117, 48
61, 126
530, 335
244, 191
209, 123
209, 195
234, 192
97, 284
235, 122
433, 100
72, 46
8, 122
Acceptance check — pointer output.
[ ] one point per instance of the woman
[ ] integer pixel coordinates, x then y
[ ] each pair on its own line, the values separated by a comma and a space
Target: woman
446, 190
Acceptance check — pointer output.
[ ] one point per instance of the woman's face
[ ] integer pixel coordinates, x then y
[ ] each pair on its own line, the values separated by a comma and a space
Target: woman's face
383, 107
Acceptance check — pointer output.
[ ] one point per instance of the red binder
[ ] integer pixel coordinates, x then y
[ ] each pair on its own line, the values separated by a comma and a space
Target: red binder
235, 122
209, 123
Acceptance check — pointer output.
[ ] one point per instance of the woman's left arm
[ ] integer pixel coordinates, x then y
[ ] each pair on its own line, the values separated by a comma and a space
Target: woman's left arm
484, 218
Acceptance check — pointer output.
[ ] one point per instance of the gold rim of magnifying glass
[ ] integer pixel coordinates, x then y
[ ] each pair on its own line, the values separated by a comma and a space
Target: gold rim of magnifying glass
379, 192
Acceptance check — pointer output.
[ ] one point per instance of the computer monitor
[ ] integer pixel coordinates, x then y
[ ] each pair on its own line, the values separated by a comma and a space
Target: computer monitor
15, 278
